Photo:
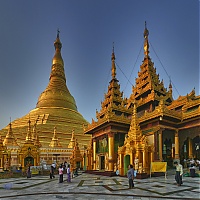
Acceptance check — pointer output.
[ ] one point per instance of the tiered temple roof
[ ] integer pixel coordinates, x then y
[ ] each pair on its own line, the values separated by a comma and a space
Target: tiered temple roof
113, 108
149, 90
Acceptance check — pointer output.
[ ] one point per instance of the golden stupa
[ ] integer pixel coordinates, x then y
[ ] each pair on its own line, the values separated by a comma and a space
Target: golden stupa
56, 107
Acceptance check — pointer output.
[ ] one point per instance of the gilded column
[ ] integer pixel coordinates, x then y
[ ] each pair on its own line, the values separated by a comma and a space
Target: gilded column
177, 146
3, 161
94, 153
156, 150
160, 145
144, 160
131, 159
121, 169
110, 151
89, 159
190, 154
152, 155
1, 164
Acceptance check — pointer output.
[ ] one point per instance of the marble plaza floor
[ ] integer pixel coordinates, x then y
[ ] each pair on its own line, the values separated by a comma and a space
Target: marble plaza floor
88, 187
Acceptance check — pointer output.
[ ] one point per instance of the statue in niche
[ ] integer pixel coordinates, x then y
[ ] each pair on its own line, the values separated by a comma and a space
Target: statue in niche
136, 163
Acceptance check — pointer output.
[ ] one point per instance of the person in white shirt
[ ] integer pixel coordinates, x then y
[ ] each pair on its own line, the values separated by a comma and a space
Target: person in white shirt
179, 173
68, 174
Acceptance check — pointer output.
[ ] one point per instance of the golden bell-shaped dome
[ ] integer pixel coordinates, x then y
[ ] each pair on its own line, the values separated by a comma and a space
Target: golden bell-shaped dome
57, 94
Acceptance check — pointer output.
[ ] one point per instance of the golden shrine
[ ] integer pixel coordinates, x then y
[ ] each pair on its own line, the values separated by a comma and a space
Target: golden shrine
149, 126
44, 133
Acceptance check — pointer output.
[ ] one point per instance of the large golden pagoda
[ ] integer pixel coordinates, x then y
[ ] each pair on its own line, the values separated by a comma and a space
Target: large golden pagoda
56, 107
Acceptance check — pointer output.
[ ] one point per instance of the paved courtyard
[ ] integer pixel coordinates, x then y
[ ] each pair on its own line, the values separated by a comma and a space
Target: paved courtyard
88, 187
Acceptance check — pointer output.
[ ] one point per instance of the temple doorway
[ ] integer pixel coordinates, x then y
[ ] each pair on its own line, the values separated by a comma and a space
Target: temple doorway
29, 161
78, 165
126, 163
102, 162
196, 147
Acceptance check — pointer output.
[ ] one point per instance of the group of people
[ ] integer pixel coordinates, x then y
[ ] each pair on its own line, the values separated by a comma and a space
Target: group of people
130, 173
193, 162
61, 170
178, 175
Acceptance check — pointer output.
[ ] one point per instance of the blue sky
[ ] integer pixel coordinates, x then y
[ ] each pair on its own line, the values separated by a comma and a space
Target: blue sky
88, 29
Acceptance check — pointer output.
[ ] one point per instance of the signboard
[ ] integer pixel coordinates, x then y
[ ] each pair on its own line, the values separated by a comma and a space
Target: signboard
158, 167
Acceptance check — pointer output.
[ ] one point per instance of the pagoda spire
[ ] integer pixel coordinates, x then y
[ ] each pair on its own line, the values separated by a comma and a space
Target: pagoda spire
114, 102
113, 64
75, 156
134, 132
10, 139
72, 141
2, 147
54, 142
170, 86
56, 93
146, 42
35, 136
148, 89
34, 132
29, 136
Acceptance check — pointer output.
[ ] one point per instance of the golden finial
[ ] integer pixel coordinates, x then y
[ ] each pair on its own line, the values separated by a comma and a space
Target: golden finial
146, 43
146, 32
58, 33
113, 64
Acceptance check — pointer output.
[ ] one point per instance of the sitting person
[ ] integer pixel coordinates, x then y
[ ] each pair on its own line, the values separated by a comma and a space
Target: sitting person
76, 172
117, 172
192, 170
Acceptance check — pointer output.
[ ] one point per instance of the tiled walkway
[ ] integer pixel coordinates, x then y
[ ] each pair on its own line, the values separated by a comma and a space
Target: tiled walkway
88, 187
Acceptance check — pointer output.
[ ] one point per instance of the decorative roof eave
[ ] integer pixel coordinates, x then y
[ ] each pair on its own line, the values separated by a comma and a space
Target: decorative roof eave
151, 130
61, 150
158, 112
112, 99
177, 103
106, 119
120, 108
142, 90
191, 104
185, 100
192, 114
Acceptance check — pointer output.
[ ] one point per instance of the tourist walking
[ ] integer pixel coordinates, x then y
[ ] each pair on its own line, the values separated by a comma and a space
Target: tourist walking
179, 173
68, 174
28, 172
130, 175
60, 171
52, 172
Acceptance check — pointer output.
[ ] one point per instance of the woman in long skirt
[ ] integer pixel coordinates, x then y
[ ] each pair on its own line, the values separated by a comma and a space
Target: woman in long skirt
28, 172
68, 174
60, 171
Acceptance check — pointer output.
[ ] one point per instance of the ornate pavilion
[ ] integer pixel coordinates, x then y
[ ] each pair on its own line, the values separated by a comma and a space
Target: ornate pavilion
51, 131
149, 126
